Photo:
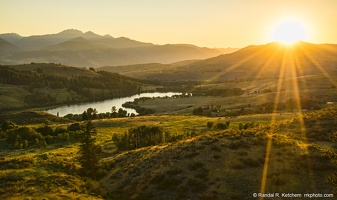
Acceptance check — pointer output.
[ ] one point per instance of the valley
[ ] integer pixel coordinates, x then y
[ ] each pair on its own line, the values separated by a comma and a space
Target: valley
238, 124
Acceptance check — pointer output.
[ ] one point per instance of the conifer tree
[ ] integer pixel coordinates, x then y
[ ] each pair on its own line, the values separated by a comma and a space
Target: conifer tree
89, 151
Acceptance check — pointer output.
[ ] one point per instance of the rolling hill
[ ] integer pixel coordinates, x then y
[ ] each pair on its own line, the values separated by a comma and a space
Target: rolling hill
6, 48
73, 47
204, 163
271, 60
37, 85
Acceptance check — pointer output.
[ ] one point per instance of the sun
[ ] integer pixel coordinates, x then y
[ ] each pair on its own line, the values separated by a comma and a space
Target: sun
289, 32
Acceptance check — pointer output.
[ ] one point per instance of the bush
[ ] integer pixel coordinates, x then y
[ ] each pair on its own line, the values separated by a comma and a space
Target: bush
45, 130
24, 136
7, 125
74, 127
210, 124
221, 126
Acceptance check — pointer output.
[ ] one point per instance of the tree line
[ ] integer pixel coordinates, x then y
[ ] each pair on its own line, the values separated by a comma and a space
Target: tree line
92, 114
21, 137
103, 85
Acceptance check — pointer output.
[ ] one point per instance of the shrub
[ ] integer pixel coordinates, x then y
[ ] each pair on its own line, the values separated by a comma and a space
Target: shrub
210, 124
7, 125
74, 127
240, 126
45, 130
17, 137
221, 126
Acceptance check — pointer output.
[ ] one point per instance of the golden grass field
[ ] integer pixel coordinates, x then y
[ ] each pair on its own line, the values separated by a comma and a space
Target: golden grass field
208, 164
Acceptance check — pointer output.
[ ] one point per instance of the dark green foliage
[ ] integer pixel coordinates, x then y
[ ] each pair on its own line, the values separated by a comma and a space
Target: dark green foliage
74, 127
221, 126
91, 114
141, 136
210, 124
7, 125
103, 85
40, 99
240, 126
60, 130
24, 137
89, 151
140, 110
122, 113
45, 130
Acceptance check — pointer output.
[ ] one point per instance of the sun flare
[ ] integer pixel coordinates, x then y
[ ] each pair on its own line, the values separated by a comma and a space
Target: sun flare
289, 32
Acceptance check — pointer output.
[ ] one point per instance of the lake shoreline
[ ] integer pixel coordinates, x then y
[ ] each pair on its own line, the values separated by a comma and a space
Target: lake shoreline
102, 106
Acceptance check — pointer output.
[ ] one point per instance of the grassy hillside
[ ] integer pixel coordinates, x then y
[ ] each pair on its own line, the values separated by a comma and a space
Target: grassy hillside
293, 155
37, 85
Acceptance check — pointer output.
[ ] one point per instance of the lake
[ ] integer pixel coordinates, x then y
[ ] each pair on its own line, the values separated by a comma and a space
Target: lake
105, 106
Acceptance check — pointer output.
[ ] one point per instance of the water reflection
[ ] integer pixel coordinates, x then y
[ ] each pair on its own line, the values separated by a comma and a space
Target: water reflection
105, 106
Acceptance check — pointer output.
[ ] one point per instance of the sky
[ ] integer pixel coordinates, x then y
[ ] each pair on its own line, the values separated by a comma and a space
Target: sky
206, 23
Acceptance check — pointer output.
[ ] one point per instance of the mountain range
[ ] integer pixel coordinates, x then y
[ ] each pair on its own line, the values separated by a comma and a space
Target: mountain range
271, 60
73, 47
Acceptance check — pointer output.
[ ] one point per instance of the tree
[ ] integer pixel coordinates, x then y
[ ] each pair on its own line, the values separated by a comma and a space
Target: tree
7, 125
122, 113
113, 109
210, 124
89, 151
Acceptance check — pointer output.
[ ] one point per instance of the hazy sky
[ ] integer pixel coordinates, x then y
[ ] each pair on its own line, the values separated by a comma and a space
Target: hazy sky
210, 23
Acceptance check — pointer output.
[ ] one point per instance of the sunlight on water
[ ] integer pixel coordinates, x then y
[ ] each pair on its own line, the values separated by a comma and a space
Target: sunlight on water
105, 106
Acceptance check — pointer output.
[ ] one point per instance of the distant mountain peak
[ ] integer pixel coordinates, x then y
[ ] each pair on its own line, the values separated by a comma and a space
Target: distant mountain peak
78, 39
70, 32
108, 36
90, 33
10, 37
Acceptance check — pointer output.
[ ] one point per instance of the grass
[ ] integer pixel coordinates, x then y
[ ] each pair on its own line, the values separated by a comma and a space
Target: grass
214, 164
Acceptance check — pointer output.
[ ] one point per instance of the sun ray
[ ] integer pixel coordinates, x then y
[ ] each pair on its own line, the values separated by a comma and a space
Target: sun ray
266, 64
294, 63
273, 120
318, 66
237, 64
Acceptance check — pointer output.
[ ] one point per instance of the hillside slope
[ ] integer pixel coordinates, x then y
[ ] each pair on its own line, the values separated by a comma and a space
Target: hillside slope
40, 84
231, 164
6, 48
289, 156
271, 60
